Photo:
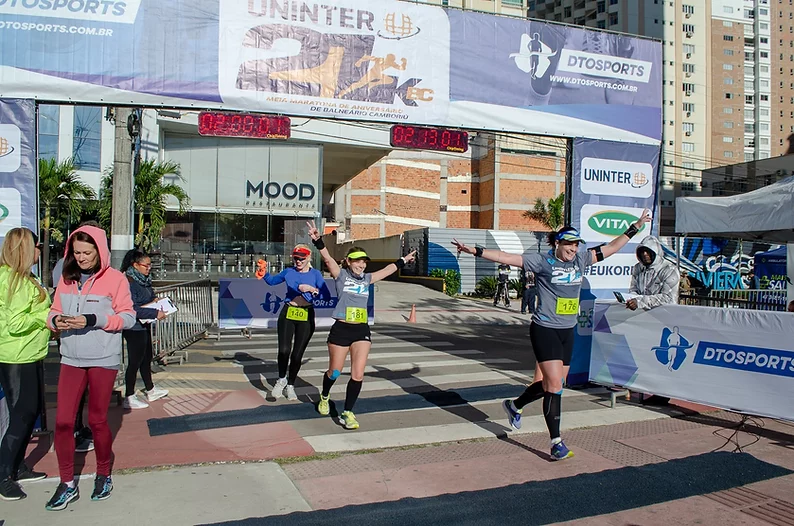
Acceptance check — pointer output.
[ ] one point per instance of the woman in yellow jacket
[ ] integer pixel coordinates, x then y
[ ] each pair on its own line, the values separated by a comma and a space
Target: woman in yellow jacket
24, 306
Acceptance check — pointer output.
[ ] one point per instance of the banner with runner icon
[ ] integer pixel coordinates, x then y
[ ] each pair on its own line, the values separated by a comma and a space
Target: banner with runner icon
734, 359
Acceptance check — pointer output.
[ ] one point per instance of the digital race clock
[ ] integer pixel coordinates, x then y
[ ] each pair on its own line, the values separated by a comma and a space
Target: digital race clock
404, 136
230, 124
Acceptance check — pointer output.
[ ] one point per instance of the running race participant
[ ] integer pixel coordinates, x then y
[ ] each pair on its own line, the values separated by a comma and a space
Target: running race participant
296, 319
350, 332
558, 276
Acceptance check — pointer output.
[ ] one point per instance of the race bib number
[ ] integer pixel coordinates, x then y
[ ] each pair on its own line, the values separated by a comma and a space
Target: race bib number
356, 315
297, 314
567, 306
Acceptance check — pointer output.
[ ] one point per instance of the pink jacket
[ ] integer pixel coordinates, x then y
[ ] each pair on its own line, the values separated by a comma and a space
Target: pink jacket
105, 294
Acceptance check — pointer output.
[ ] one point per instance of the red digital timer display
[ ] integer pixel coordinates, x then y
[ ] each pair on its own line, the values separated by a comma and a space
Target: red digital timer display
444, 139
228, 124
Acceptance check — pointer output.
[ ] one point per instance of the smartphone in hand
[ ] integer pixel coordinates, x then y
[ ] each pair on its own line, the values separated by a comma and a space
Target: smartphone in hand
619, 296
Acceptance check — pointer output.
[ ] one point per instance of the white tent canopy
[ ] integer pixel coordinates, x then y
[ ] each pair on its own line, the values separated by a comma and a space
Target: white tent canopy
765, 214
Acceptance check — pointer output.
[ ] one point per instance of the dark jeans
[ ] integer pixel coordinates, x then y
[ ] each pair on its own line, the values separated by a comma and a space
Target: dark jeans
139, 357
290, 354
528, 300
21, 384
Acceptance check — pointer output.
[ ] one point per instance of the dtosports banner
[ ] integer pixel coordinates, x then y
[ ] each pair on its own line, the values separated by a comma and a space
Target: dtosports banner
729, 358
18, 191
369, 60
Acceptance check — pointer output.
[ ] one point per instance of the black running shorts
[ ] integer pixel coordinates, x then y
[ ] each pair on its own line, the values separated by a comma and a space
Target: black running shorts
345, 334
551, 344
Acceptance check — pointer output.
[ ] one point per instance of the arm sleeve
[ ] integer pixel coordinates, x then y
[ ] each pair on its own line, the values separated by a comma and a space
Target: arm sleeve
124, 311
142, 313
281, 277
667, 295
634, 288
57, 308
532, 261
24, 314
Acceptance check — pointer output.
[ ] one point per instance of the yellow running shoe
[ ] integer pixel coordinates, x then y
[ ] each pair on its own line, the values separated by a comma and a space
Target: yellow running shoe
348, 420
323, 407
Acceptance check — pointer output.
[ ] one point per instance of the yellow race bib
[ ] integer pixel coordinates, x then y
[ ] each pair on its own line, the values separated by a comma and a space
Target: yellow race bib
356, 315
297, 314
567, 306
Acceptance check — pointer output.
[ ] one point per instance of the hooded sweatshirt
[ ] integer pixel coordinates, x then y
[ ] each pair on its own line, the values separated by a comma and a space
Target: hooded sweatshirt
657, 284
23, 321
105, 294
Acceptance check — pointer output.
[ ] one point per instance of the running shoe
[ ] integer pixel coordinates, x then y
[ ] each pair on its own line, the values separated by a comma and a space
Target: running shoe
83, 445
25, 474
155, 393
324, 407
278, 388
102, 487
290, 392
62, 497
560, 452
514, 417
134, 402
10, 490
348, 419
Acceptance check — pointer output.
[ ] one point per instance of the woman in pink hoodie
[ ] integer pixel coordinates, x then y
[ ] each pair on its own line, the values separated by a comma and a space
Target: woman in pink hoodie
92, 305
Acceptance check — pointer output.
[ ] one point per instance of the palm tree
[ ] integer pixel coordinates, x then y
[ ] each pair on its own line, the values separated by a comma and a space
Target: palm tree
150, 195
60, 190
550, 214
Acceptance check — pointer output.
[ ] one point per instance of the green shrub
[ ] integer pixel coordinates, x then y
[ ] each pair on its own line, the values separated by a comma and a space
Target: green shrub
486, 287
451, 280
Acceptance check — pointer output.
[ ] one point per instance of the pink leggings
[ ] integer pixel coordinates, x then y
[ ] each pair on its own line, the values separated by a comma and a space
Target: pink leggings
71, 385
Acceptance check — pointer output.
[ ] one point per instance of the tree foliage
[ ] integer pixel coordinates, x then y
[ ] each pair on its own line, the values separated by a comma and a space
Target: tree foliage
550, 214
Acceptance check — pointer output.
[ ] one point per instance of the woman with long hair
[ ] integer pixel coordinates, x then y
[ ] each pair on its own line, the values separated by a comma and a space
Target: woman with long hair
558, 277
296, 319
136, 266
24, 337
350, 332
92, 306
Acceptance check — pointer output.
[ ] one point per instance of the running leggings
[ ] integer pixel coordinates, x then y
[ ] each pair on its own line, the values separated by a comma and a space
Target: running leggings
290, 354
20, 383
71, 385
139, 353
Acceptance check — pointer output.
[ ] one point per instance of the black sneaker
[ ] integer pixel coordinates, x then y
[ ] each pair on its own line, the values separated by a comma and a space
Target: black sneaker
83, 445
10, 490
62, 497
25, 474
102, 487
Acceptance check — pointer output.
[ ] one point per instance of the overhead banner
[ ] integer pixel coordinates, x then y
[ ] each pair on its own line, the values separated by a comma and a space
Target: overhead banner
252, 303
372, 60
733, 359
611, 184
18, 188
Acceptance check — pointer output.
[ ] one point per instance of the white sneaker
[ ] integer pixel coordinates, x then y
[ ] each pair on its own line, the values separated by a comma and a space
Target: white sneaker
278, 388
133, 402
291, 393
156, 393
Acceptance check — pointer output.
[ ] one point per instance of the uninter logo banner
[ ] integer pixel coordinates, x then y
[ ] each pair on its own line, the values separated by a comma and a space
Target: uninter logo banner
121, 11
18, 201
619, 178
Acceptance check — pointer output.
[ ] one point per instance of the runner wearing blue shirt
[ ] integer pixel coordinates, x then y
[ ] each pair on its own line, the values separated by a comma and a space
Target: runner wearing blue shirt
558, 277
296, 319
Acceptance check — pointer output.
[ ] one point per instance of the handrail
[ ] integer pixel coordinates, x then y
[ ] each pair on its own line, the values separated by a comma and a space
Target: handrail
189, 323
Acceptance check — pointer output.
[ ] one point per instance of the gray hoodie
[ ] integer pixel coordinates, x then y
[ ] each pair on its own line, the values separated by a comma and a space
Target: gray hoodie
656, 284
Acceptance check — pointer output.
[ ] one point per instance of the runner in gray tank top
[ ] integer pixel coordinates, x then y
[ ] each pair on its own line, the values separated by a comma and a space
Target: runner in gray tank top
350, 332
558, 275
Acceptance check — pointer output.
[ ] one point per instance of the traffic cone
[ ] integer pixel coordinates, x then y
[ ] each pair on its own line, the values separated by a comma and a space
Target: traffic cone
412, 316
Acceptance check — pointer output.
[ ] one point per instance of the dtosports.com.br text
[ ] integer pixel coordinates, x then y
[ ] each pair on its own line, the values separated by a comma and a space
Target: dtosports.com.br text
55, 28
595, 83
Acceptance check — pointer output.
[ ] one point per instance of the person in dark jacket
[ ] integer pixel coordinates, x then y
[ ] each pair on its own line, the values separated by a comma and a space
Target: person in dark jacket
136, 266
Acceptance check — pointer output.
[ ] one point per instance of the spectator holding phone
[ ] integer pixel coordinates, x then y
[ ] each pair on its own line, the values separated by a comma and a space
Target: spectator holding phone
654, 280
136, 266
91, 307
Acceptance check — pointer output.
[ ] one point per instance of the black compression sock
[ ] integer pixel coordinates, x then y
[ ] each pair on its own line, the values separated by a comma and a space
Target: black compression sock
327, 385
552, 407
353, 390
530, 394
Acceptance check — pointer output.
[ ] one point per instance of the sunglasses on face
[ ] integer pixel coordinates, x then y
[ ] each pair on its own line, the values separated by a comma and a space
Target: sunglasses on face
299, 258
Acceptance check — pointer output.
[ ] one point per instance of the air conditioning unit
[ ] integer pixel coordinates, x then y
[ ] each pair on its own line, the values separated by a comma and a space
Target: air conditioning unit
688, 74
688, 134
689, 114
689, 55
689, 34
688, 93
688, 15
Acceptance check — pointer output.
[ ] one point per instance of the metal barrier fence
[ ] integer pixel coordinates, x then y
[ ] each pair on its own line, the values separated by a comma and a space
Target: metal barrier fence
189, 323
753, 299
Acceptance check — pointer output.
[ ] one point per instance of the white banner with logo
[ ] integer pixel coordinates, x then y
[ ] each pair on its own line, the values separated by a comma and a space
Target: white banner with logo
735, 359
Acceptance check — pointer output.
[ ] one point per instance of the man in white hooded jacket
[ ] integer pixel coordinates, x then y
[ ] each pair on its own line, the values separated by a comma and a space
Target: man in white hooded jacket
654, 280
